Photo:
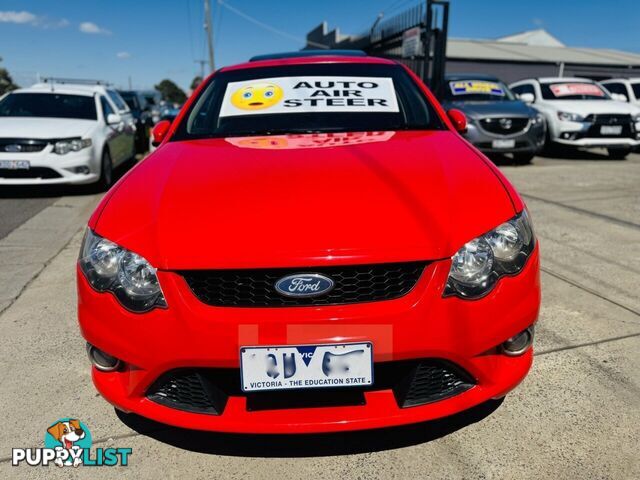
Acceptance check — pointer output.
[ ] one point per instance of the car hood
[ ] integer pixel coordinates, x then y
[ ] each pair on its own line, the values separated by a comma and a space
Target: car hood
513, 108
44, 128
586, 107
305, 200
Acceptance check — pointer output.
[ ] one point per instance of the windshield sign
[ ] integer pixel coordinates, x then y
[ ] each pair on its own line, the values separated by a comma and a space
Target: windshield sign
319, 98
570, 89
308, 95
470, 87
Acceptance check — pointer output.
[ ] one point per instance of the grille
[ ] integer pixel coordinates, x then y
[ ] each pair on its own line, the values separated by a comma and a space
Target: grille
25, 146
504, 126
188, 390
609, 119
430, 381
413, 382
34, 172
256, 288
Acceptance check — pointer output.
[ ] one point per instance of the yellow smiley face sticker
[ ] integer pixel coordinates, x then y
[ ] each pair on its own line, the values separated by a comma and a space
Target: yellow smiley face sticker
257, 96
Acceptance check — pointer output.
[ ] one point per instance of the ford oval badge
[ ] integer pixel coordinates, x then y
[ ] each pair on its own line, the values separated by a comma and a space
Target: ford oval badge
304, 285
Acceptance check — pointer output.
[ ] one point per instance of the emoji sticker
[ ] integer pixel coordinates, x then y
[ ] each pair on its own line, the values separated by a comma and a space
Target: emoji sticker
257, 96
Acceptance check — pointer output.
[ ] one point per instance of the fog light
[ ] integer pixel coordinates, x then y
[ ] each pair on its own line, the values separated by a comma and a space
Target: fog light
518, 344
102, 360
84, 170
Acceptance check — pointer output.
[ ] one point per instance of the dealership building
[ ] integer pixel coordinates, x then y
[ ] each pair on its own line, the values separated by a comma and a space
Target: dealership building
534, 53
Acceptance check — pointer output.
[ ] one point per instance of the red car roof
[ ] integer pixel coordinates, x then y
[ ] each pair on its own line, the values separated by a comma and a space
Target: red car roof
308, 60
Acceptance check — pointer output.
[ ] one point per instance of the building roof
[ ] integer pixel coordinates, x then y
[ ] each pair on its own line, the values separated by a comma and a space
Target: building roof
533, 46
537, 46
538, 37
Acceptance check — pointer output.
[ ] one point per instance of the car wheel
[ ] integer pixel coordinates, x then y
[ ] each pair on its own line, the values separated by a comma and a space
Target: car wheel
523, 158
619, 153
106, 172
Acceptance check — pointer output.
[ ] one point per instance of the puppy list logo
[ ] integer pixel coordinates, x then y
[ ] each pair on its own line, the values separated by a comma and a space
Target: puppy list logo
67, 442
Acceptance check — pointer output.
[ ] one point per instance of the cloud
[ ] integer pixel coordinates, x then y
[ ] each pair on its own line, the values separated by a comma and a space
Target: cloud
18, 17
123, 55
28, 18
61, 23
92, 28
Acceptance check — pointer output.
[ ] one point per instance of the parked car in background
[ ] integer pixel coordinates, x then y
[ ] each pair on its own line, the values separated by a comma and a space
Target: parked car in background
154, 102
627, 89
498, 122
142, 115
55, 133
580, 113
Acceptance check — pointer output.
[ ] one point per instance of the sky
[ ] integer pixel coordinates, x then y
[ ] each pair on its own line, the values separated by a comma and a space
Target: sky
143, 41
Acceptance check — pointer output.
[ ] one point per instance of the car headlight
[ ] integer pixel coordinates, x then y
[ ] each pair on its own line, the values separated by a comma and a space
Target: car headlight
479, 264
570, 117
111, 268
62, 147
538, 119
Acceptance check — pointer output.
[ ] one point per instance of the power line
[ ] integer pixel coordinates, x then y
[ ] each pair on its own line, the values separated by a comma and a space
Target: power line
259, 23
218, 24
187, 2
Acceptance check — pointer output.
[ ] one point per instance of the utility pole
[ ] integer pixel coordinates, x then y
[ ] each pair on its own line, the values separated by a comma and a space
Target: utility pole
202, 63
209, 29
130, 87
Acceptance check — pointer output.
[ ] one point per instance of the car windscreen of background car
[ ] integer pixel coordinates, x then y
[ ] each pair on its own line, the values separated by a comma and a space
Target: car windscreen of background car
48, 105
312, 98
573, 91
477, 91
130, 100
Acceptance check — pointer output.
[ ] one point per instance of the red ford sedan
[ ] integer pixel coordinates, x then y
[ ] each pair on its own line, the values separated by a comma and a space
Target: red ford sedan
312, 248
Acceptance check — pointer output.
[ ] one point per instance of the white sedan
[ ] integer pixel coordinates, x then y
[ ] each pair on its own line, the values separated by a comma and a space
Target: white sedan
63, 134
580, 113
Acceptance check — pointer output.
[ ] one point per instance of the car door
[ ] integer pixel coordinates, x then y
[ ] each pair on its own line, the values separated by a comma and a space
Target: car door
115, 132
129, 123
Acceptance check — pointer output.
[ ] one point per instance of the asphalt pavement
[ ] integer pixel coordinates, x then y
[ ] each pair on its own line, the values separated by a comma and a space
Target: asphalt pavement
15, 211
575, 416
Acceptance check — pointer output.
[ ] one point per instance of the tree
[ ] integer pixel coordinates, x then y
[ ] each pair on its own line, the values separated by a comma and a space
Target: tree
171, 92
6, 82
195, 82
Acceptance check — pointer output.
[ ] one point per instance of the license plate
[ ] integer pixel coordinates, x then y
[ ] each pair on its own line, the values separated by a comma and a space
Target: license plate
306, 366
610, 129
15, 164
503, 143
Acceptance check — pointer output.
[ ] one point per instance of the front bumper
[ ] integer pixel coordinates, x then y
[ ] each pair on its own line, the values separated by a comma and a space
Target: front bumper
419, 325
587, 134
529, 140
48, 168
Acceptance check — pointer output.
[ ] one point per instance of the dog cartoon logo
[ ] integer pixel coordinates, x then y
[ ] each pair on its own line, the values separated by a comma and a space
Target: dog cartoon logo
68, 434
257, 96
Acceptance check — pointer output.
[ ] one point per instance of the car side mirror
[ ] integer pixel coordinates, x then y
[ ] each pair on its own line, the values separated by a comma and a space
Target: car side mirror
113, 119
159, 132
621, 97
527, 97
458, 119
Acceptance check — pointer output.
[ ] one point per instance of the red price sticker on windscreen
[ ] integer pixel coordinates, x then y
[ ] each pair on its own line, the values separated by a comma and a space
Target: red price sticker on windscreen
567, 89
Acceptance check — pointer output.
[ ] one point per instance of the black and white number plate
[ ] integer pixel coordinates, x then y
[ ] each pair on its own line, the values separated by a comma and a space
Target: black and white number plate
306, 366
15, 164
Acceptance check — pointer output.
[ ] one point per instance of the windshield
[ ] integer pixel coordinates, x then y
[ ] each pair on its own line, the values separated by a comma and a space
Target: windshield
477, 91
573, 91
48, 105
316, 98
131, 99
